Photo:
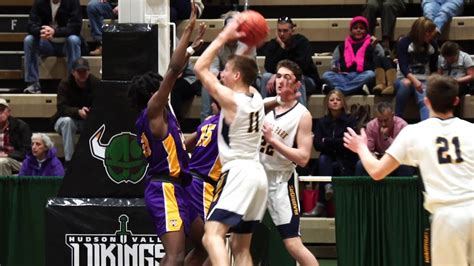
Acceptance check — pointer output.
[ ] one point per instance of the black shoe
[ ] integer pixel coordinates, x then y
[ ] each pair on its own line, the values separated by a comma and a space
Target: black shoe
326, 88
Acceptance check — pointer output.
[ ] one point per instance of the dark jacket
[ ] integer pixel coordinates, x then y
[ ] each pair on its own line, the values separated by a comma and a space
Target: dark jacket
20, 138
52, 166
332, 131
300, 52
369, 58
68, 18
71, 98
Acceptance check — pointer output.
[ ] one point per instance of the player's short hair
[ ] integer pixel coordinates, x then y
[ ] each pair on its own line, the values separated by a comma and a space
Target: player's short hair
381, 107
246, 66
292, 66
442, 92
142, 88
449, 48
340, 95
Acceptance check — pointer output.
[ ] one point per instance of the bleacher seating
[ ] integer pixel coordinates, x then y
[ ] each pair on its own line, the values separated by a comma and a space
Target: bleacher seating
336, 29
28, 3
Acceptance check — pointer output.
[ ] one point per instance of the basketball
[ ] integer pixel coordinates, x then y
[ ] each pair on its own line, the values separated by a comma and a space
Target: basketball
255, 27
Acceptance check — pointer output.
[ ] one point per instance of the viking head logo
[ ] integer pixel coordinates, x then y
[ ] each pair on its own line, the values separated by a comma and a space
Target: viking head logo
122, 157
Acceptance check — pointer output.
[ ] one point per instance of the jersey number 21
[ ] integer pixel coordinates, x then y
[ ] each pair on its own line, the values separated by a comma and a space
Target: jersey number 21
443, 150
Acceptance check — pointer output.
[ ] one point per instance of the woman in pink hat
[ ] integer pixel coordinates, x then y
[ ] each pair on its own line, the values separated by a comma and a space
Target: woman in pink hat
352, 65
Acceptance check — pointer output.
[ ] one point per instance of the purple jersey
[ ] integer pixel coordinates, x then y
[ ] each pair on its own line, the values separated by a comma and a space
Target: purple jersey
205, 158
167, 157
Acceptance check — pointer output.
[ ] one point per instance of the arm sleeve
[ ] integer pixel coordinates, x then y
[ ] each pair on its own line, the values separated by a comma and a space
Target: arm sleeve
402, 53
467, 61
371, 136
434, 58
34, 21
400, 148
64, 103
25, 142
336, 56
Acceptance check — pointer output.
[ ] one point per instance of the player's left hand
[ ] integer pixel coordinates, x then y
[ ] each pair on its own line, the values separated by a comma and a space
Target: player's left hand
353, 141
198, 41
289, 91
267, 130
231, 30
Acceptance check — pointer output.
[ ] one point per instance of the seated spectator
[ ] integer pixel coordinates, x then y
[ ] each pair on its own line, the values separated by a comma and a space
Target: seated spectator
42, 160
417, 59
388, 10
292, 46
334, 158
218, 65
75, 96
54, 27
352, 64
185, 88
441, 12
14, 140
381, 131
97, 11
457, 64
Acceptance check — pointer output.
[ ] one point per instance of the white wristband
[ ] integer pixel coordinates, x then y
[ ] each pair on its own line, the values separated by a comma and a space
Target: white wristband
190, 50
279, 101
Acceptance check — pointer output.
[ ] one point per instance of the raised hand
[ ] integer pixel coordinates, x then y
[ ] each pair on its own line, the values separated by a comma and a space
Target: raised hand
289, 90
198, 41
231, 30
353, 141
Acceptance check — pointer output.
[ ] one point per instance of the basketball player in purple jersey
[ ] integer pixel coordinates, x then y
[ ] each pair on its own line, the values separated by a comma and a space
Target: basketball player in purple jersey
162, 142
205, 167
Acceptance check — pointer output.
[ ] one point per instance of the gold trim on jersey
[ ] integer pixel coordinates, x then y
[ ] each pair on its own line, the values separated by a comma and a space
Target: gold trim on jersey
172, 158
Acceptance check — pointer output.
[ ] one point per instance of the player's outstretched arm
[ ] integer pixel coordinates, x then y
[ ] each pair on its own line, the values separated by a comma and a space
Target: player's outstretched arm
304, 139
377, 169
222, 94
179, 59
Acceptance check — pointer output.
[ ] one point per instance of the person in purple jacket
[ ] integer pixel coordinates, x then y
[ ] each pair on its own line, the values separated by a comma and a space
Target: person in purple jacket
42, 160
162, 142
205, 167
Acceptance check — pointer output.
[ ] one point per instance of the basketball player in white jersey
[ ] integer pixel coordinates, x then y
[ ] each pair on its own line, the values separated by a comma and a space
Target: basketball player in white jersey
241, 194
443, 148
287, 141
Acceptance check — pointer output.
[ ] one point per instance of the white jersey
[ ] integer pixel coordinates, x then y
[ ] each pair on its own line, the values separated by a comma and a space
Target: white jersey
241, 139
444, 152
285, 127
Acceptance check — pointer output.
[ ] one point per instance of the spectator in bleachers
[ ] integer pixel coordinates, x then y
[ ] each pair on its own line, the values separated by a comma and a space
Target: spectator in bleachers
75, 96
54, 29
457, 64
417, 59
218, 65
185, 88
381, 132
334, 159
97, 11
292, 46
42, 160
15, 140
388, 10
353, 61
441, 12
